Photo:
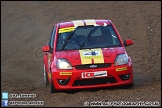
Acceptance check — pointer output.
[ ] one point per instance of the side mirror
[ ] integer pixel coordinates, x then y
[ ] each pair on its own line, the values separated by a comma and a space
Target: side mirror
45, 48
128, 42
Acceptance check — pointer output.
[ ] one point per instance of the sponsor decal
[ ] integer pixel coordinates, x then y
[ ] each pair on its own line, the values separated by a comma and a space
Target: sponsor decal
121, 69
65, 73
94, 74
95, 55
68, 29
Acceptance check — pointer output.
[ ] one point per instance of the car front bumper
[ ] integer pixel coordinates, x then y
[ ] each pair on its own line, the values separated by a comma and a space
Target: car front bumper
73, 79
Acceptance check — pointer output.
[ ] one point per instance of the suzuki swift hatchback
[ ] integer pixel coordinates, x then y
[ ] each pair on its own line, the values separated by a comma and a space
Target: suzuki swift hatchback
86, 54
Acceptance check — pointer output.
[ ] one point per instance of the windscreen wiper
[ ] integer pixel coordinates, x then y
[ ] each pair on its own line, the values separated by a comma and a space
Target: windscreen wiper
67, 40
88, 37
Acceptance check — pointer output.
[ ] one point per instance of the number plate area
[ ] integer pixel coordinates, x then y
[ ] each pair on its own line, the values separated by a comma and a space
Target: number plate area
94, 74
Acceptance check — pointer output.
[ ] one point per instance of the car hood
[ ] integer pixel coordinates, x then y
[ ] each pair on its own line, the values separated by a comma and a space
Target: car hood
91, 56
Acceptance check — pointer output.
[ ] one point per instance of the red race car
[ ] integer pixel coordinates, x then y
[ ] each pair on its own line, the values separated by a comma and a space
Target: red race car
86, 54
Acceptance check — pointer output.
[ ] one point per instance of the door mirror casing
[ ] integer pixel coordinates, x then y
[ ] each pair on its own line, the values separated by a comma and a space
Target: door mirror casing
46, 48
128, 42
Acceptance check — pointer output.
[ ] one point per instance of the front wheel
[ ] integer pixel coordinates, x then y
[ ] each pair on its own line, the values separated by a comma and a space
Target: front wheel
131, 85
45, 76
53, 90
127, 86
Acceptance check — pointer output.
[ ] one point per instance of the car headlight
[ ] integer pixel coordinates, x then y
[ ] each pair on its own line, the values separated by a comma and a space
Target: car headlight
121, 59
63, 64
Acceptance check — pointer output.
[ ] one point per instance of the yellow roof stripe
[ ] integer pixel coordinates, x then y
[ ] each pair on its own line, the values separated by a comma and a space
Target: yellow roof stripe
78, 22
90, 22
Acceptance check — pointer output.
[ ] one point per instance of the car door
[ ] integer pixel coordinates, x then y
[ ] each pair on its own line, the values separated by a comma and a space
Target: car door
50, 53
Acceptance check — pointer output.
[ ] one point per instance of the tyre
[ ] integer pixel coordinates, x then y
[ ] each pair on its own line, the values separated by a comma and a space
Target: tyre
53, 90
127, 86
45, 76
131, 85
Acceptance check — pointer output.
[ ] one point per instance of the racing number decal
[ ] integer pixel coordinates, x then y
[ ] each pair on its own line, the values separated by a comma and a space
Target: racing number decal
91, 56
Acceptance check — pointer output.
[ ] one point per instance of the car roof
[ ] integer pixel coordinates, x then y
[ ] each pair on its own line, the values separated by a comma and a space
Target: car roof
85, 22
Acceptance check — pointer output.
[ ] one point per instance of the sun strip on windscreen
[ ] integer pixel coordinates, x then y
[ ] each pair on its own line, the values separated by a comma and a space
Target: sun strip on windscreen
68, 29
76, 24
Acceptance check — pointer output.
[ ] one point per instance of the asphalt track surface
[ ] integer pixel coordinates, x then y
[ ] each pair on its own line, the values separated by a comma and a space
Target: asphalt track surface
26, 27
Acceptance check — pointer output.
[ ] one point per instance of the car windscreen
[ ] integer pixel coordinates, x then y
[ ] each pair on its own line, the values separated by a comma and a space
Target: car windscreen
87, 37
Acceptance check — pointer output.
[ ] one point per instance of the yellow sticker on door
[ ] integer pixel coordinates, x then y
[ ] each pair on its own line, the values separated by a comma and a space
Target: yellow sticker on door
49, 74
121, 69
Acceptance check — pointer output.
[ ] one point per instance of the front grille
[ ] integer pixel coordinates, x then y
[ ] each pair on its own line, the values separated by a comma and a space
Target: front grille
88, 66
94, 81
